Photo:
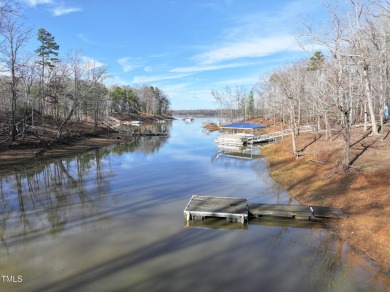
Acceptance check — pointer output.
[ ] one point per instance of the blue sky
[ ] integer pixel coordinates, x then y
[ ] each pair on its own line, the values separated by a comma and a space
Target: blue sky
187, 48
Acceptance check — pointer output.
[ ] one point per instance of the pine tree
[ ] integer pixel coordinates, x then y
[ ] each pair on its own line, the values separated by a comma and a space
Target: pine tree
48, 52
316, 62
251, 105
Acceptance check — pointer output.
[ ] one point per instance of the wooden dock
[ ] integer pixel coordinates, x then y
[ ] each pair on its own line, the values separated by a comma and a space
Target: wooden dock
150, 134
233, 209
296, 211
277, 135
238, 210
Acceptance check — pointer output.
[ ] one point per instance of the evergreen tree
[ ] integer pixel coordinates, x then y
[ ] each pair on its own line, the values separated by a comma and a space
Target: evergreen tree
48, 52
251, 105
316, 62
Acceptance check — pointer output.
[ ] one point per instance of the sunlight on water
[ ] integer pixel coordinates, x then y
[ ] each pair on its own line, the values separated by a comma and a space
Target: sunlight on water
112, 219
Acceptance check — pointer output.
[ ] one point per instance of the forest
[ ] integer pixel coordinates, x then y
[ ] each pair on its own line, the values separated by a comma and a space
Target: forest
41, 83
345, 82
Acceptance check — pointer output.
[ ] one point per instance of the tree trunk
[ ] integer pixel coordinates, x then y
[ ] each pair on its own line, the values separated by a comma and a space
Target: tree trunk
292, 125
365, 115
74, 106
13, 115
347, 158
367, 89
327, 128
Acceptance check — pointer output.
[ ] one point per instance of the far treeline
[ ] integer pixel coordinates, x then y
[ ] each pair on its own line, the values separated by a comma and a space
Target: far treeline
199, 113
348, 84
33, 84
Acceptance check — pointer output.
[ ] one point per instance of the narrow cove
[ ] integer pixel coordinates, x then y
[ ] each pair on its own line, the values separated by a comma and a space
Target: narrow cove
112, 219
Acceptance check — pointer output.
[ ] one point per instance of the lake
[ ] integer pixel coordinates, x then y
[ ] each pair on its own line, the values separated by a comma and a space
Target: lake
112, 220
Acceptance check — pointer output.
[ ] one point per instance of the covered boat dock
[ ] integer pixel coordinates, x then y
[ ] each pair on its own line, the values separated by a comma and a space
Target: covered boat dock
238, 138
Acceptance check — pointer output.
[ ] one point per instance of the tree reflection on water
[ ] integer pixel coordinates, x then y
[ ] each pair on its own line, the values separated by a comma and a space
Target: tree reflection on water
49, 197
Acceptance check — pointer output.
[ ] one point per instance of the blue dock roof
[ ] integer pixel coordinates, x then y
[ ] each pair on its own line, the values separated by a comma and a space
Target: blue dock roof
242, 125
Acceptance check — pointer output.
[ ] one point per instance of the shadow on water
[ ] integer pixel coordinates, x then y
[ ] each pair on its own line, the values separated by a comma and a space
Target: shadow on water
317, 264
172, 244
95, 223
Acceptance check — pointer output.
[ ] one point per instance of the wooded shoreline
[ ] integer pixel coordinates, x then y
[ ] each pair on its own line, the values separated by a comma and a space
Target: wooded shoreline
40, 142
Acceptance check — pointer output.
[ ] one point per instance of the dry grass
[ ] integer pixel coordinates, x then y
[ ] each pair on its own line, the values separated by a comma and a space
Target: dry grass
317, 178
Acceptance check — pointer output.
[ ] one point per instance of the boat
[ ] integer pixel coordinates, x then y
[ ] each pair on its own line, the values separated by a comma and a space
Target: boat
233, 139
135, 123
188, 119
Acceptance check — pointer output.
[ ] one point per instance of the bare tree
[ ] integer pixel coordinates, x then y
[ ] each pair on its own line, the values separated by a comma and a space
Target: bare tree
15, 35
219, 98
28, 75
334, 40
95, 76
76, 71
289, 83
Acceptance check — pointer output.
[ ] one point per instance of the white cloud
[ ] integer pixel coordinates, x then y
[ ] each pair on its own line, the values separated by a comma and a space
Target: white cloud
60, 10
251, 48
190, 98
147, 79
128, 64
187, 93
258, 34
202, 68
239, 81
84, 38
177, 87
148, 69
91, 63
116, 80
38, 2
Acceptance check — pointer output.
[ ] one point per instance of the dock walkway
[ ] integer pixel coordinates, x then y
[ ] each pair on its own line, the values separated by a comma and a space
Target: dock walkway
297, 211
275, 135
238, 209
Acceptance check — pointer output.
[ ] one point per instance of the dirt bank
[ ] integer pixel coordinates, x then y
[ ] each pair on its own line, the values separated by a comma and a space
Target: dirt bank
317, 178
39, 142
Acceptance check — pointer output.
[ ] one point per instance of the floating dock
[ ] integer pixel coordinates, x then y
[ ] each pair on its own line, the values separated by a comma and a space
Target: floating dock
238, 210
148, 134
233, 209
296, 211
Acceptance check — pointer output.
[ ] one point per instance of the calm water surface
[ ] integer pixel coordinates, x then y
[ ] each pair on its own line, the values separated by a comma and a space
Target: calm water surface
112, 220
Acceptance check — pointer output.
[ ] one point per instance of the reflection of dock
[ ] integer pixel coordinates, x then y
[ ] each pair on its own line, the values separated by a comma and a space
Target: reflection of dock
238, 210
240, 152
218, 223
287, 222
215, 223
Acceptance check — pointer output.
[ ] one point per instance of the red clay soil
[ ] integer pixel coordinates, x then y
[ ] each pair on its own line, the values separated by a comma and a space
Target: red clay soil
37, 142
317, 178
